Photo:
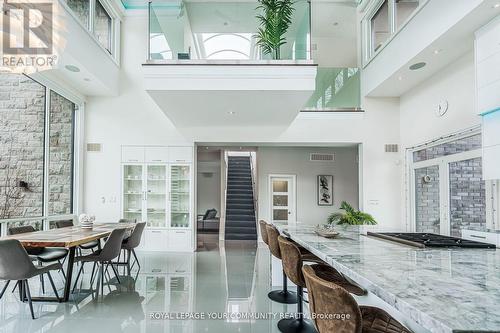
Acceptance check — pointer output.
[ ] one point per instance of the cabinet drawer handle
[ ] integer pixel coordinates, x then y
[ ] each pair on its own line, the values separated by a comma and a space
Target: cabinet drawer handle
156, 160
134, 160
180, 232
481, 237
156, 231
156, 270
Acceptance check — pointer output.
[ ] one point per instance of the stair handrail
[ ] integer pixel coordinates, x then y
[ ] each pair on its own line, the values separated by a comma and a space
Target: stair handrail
252, 173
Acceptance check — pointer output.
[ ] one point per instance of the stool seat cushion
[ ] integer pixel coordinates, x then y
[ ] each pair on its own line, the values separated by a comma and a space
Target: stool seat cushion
330, 274
376, 320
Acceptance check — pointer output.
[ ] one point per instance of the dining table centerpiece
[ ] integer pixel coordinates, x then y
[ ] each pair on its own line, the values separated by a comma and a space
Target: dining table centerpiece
86, 221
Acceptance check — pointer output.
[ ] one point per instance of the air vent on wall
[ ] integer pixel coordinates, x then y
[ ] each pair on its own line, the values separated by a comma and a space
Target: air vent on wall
321, 157
94, 147
391, 148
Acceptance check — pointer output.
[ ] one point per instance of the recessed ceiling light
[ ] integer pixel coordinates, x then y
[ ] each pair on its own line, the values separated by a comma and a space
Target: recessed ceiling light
437, 51
400, 78
497, 5
417, 66
231, 113
86, 79
72, 68
335, 23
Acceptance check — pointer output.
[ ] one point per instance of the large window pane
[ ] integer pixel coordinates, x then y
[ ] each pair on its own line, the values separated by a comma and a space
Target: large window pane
22, 119
404, 9
81, 8
61, 120
379, 25
102, 26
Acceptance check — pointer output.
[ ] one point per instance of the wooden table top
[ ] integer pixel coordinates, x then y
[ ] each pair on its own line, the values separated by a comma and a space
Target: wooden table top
67, 237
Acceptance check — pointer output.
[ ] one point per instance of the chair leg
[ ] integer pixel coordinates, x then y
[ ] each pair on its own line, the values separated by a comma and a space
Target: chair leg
128, 262
77, 276
22, 293
53, 286
93, 272
297, 324
136, 260
116, 272
15, 286
99, 280
102, 279
42, 281
62, 268
28, 294
4, 288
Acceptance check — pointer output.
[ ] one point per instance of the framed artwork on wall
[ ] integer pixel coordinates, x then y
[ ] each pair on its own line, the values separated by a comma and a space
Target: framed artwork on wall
325, 190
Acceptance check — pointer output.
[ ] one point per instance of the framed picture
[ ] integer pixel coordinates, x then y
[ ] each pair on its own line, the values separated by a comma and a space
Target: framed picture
325, 190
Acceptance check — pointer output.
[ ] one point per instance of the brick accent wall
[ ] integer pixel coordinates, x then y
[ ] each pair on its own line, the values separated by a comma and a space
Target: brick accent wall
467, 196
427, 200
449, 148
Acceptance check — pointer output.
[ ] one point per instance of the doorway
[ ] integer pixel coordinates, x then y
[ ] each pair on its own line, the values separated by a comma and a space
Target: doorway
282, 194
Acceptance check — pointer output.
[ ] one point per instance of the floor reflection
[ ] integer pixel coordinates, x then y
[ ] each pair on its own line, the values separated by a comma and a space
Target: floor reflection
232, 277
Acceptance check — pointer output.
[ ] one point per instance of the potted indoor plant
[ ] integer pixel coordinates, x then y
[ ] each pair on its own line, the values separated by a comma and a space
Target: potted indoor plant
274, 21
350, 216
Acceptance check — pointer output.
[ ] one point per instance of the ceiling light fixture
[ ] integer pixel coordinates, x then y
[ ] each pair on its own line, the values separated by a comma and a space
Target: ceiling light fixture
400, 78
231, 113
497, 5
437, 51
418, 66
72, 68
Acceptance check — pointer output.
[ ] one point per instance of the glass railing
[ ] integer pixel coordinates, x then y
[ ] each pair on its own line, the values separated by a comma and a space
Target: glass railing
337, 89
222, 31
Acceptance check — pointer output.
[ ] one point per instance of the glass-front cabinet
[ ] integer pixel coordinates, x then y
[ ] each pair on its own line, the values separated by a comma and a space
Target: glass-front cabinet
133, 193
156, 195
180, 196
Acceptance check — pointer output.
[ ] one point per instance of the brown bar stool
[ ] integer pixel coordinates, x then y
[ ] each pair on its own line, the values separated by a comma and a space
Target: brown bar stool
292, 264
327, 297
283, 296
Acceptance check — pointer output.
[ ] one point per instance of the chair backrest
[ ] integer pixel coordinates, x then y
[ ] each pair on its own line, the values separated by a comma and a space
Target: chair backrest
113, 245
15, 264
21, 230
64, 224
127, 221
291, 260
263, 231
135, 238
327, 298
272, 240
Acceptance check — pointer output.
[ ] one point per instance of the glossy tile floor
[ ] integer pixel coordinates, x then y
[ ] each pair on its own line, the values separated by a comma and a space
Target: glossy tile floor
232, 278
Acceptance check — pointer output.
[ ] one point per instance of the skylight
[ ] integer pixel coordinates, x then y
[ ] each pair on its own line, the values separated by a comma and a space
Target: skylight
233, 46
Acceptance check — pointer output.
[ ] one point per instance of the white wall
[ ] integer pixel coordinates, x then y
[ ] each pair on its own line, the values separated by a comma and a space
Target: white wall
455, 83
130, 118
295, 161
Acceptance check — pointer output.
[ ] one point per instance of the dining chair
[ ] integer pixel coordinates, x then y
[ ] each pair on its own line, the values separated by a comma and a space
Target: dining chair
131, 243
41, 254
327, 298
102, 259
87, 246
15, 264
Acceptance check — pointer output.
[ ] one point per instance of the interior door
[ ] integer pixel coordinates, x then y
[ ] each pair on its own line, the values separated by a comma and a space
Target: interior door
282, 194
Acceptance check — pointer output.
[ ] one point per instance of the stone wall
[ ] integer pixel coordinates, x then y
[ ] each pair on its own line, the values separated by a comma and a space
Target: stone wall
449, 148
22, 109
467, 196
427, 199
22, 118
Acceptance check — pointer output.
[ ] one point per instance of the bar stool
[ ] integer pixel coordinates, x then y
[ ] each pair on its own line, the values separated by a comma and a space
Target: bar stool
327, 297
263, 231
292, 264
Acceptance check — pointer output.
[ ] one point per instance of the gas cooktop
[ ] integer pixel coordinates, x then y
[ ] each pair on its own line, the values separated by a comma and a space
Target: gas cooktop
430, 240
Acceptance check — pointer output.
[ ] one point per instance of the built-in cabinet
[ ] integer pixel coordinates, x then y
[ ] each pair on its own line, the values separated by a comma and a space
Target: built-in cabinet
158, 189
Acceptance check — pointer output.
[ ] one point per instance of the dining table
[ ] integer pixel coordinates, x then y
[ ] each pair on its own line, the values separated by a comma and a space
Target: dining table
69, 238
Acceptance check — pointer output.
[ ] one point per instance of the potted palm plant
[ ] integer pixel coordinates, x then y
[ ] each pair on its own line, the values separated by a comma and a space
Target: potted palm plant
274, 21
350, 216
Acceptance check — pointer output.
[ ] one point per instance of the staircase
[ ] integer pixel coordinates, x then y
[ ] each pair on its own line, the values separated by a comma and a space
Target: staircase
240, 209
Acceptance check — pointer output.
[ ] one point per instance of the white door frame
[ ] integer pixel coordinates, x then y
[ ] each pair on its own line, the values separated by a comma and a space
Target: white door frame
293, 190
444, 185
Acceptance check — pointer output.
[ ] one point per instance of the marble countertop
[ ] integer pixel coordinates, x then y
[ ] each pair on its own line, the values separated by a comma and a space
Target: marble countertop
443, 290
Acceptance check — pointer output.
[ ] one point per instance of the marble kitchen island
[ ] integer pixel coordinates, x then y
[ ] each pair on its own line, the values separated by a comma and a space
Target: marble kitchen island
442, 290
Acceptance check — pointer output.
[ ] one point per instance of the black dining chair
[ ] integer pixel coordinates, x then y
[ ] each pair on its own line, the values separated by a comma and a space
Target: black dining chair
43, 255
103, 259
15, 264
131, 243
87, 246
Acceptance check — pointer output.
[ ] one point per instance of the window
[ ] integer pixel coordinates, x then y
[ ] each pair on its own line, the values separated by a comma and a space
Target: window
22, 131
403, 10
380, 27
102, 26
61, 120
30, 157
233, 46
81, 8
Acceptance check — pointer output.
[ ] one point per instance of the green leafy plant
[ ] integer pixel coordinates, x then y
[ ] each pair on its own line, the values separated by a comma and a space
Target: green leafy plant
350, 216
274, 21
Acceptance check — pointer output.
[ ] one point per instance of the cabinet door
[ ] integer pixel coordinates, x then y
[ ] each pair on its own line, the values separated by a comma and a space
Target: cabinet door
180, 196
156, 154
131, 154
156, 240
133, 192
179, 240
180, 154
156, 195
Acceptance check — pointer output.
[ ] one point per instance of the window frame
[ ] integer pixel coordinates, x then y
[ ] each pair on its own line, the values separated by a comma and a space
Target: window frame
366, 32
77, 149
